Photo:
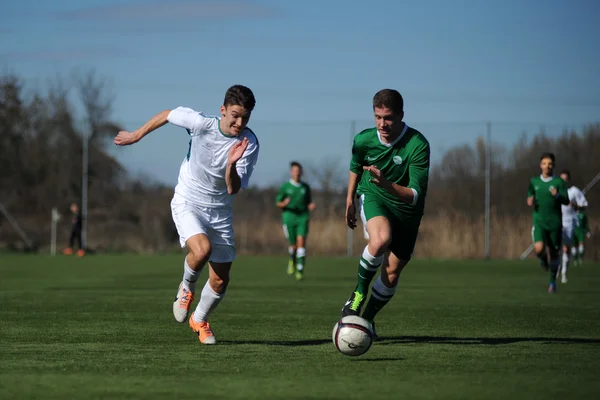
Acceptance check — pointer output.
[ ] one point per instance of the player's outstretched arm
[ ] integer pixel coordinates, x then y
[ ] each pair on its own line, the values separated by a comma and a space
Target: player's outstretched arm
350, 206
125, 138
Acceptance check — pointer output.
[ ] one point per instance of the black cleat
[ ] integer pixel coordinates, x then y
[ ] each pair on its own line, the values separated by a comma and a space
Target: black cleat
354, 304
376, 338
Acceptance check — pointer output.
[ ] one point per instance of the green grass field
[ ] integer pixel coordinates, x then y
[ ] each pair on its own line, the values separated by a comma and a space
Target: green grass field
102, 327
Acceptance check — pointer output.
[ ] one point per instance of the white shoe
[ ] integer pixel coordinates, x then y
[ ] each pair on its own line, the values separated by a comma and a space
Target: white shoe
183, 302
563, 279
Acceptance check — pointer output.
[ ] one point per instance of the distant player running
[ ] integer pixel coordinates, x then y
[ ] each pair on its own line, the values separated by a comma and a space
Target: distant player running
221, 157
570, 221
582, 232
295, 199
546, 194
389, 170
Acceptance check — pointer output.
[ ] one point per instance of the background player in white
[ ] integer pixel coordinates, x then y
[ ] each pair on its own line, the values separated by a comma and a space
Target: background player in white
221, 157
570, 220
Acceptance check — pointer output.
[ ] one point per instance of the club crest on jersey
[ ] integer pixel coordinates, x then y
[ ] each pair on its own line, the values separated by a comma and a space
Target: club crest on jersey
397, 160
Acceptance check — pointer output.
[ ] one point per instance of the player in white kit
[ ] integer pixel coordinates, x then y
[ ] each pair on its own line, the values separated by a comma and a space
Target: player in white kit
570, 221
221, 157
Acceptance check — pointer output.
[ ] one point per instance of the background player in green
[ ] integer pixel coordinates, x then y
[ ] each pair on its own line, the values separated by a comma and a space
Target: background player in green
295, 199
389, 170
546, 194
582, 231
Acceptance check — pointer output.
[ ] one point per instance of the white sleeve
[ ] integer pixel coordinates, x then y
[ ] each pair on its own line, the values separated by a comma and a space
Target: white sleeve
193, 121
245, 165
581, 200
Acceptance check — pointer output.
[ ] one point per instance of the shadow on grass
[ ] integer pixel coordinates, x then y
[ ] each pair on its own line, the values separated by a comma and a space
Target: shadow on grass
387, 340
390, 340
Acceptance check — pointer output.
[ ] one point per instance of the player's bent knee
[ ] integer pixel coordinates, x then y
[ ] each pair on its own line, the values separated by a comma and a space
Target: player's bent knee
538, 248
200, 250
380, 242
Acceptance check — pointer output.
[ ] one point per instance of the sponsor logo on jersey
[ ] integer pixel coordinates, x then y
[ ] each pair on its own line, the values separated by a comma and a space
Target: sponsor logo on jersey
397, 160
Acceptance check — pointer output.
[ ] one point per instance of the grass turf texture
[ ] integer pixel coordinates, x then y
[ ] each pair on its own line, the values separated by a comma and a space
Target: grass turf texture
102, 327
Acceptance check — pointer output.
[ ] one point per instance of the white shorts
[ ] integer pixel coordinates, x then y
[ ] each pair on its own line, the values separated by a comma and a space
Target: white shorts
216, 223
568, 234
362, 216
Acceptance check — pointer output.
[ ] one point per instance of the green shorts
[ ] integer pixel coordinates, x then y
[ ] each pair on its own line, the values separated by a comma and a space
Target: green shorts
578, 236
295, 225
551, 237
404, 235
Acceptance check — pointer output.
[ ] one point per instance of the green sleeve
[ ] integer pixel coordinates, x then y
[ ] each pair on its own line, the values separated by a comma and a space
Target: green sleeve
531, 190
563, 194
418, 171
280, 195
357, 161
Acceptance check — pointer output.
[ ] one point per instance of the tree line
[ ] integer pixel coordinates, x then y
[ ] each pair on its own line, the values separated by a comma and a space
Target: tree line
41, 136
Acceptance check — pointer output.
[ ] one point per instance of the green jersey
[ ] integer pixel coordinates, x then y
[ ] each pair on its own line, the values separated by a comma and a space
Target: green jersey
404, 162
546, 209
584, 224
299, 194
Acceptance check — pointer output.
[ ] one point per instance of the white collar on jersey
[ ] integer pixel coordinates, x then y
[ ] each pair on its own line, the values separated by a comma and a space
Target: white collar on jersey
395, 141
548, 179
295, 184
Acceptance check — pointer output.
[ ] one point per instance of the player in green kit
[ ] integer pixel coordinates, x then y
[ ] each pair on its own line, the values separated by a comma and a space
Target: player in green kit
295, 199
389, 171
582, 231
546, 194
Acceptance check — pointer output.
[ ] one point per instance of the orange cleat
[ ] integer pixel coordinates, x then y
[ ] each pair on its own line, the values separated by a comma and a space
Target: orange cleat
183, 302
68, 251
205, 334
80, 253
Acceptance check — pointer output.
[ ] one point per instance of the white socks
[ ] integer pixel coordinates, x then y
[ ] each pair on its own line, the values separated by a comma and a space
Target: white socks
382, 292
372, 263
565, 263
190, 277
300, 254
209, 300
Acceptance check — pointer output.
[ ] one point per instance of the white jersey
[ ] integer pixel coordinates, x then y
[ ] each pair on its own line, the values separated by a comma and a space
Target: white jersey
202, 174
569, 214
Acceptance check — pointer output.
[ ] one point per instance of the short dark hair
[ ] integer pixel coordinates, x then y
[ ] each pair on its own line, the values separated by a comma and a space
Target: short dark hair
548, 155
389, 98
295, 164
239, 95
566, 172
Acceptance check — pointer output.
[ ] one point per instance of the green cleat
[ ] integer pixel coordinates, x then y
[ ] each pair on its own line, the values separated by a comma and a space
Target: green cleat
291, 268
354, 304
299, 275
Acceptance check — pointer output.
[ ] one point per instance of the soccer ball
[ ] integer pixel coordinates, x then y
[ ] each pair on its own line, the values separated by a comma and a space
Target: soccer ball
352, 335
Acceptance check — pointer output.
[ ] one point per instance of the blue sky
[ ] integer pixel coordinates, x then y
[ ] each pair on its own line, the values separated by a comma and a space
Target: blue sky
315, 65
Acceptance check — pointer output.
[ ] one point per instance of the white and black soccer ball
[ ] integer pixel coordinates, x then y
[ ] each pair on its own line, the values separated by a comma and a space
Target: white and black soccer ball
352, 335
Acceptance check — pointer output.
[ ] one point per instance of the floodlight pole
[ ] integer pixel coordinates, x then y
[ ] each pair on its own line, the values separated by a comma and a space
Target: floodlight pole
84, 189
488, 164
